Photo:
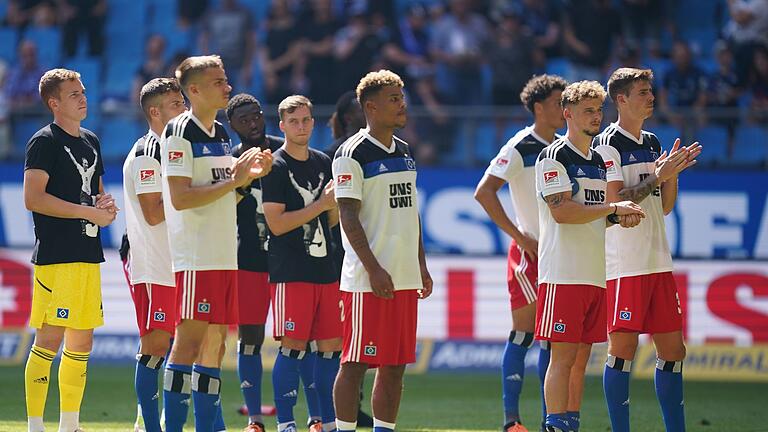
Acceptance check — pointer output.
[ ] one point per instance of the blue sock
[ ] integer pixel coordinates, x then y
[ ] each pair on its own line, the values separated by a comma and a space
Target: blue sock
616, 388
326, 369
513, 371
250, 370
218, 423
177, 391
206, 383
147, 369
669, 391
307, 369
544, 352
574, 419
285, 382
559, 420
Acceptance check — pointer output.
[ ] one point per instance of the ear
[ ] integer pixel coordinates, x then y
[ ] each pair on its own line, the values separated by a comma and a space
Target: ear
282, 126
567, 113
621, 98
52, 103
154, 111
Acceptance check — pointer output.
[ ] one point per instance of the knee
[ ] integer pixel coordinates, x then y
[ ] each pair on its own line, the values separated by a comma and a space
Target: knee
623, 350
674, 353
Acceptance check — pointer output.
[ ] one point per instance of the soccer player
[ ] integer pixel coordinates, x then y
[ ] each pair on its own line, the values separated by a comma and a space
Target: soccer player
199, 181
641, 293
570, 311
300, 208
515, 165
385, 270
153, 286
64, 191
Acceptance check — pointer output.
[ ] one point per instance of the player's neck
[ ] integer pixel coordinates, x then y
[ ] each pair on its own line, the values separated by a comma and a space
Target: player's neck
297, 151
206, 116
547, 133
157, 128
382, 134
72, 127
579, 140
631, 125
255, 143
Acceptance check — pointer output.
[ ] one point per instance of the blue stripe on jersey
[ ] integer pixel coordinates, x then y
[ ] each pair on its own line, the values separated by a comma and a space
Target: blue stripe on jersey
638, 156
385, 166
204, 149
529, 160
586, 171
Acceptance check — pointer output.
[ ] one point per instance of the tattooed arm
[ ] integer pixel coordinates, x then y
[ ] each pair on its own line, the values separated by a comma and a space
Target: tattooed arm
567, 211
638, 192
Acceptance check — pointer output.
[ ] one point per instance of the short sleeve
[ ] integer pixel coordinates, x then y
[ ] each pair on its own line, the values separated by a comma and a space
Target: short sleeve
274, 184
612, 160
348, 178
507, 164
551, 177
145, 173
177, 157
39, 155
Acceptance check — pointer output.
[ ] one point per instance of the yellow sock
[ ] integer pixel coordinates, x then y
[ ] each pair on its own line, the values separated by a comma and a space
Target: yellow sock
37, 376
72, 372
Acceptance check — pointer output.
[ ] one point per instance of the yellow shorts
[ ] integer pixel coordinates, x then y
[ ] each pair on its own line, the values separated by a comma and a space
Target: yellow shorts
67, 295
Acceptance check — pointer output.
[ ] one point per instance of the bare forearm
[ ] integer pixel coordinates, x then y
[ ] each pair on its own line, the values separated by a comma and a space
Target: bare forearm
572, 212
359, 241
640, 191
669, 195
422, 254
199, 196
49, 205
287, 221
492, 206
333, 217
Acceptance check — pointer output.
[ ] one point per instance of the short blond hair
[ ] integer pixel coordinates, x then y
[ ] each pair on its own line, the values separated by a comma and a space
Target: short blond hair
51, 81
580, 91
292, 103
622, 80
371, 83
191, 67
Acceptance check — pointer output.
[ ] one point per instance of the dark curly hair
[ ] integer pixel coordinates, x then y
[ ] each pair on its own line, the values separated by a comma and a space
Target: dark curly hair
239, 100
539, 88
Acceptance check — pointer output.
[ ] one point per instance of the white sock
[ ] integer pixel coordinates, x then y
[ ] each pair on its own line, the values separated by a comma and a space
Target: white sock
380, 423
35, 424
69, 421
345, 426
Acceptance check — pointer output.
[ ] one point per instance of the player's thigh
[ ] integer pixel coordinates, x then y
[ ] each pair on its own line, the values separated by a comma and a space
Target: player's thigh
524, 318
155, 343
49, 337
251, 334
190, 335
211, 349
389, 375
78, 340
669, 346
563, 354
293, 344
622, 344
329, 345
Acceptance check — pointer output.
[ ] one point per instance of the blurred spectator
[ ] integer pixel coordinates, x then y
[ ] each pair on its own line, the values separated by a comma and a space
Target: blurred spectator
317, 46
23, 78
458, 43
345, 121
190, 11
280, 57
758, 83
747, 28
356, 47
642, 23
511, 56
154, 65
590, 30
229, 32
541, 17
21, 13
408, 52
82, 16
724, 89
683, 86
5, 130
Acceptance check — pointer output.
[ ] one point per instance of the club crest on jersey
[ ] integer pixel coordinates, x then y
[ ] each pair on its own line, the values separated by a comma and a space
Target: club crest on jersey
559, 328
625, 315
147, 177
175, 158
62, 313
370, 350
159, 316
203, 307
227, 148
290, 326
344, 181
410, 164
551, 178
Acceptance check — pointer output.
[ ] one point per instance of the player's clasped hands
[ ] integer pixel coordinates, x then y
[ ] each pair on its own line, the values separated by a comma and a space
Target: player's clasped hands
678, 159
630, 214
105, 210
253, 163
381, 283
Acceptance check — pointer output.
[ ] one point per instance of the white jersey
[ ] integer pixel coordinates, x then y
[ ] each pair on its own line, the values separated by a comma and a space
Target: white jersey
201, 238
643, 249
383, 179
571, 253
150, 257
515, 164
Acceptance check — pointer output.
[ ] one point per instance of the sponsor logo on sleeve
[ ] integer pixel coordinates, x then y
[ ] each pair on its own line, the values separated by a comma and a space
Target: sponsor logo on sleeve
502, 163
147, 177
551, 178
175, 157
344, 181
610, 167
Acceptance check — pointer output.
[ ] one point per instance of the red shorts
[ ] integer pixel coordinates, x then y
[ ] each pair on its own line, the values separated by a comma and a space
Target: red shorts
253, 297
380, 332
571, 313
644, 304
207, 295
306, 311
522, 273
155, 307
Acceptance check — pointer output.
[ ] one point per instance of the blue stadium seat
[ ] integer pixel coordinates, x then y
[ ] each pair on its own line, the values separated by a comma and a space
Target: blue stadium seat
119, 78
90, 74
714, 140
750, 146
124, 29
117, 135
8, 40
558, 66
667, 135
48, 41
23, 127
321, 136
486, 144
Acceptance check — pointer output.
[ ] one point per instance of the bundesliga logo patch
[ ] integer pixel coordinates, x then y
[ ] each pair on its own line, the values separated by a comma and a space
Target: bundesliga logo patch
175, 158
159, 316
559, 328
203, 307
625, 315
344, 181
551, 178
370, 350
62, 313
610, 166
290, 325
147, 177
501, 162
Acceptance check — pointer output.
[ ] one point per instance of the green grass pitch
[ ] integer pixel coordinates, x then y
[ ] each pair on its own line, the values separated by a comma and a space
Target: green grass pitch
433, 402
